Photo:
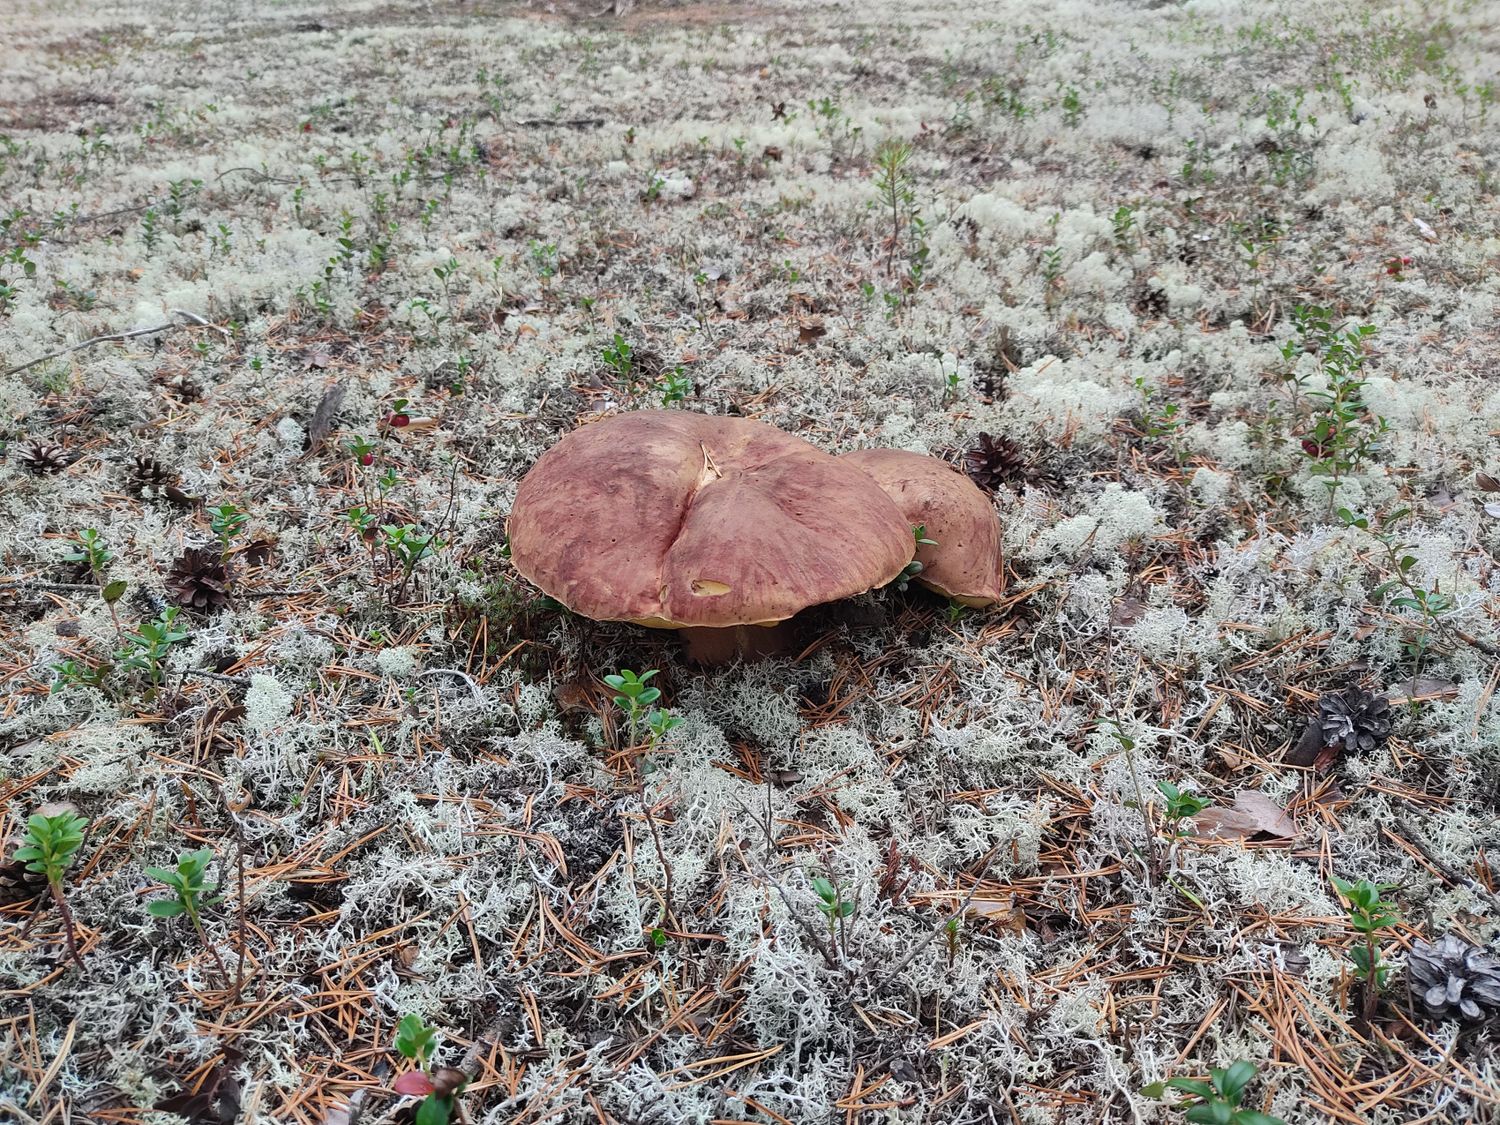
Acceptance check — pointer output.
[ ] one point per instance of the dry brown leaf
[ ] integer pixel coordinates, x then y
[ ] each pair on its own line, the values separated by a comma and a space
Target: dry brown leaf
323, 416
1001, 914
1252, 814
1421, 689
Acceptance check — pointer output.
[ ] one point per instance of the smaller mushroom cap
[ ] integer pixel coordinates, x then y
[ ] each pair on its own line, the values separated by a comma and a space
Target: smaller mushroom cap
965, 565
674, 520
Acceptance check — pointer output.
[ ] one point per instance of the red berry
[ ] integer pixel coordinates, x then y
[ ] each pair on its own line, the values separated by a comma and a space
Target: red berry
367, 458
399, 420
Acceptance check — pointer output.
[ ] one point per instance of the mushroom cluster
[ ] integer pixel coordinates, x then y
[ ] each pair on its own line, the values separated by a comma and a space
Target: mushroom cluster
725, 528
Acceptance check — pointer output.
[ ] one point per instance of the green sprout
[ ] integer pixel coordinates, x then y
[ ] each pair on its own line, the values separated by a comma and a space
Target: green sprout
92, 551
1217, 1101
408, 546
831, 902
48, 848
1369, 914
634, 696
228, 522
439, 1088
618, 356
189, 886
660, 722
914, 568
674, 386
145, 649
1180, 806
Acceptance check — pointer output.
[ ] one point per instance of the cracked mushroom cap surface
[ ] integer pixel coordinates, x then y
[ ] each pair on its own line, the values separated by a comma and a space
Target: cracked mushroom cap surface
965, 565
673, 520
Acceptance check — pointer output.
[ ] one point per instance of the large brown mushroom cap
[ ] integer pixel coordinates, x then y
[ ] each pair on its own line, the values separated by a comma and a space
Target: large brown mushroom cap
965, 564
673, 519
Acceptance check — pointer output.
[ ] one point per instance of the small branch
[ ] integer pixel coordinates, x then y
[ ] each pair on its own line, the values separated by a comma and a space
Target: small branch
569, 122
464, 676
67, 921
959, 913
192, 320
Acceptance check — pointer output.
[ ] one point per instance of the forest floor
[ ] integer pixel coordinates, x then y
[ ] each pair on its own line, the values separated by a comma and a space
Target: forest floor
1222, 276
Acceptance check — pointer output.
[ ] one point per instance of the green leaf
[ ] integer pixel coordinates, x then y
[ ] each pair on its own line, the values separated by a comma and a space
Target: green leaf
165, 908
1154, 1090
1253, 1117
434, 1111
824, 889
113, 592
1236, 1079
1211, 1113
1191, 1086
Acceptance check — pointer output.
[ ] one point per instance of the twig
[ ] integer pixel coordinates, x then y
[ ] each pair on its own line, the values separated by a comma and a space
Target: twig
1449, 872
571, 122
807, 928
464, 676
943, 925
193, 320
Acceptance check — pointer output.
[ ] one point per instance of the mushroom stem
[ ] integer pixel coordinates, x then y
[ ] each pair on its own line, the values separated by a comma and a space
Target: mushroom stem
737, 642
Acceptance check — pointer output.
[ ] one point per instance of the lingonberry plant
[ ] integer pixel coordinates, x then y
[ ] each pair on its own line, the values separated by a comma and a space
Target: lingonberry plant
189, 886
438, 1088
50, 844
1217, 1101
634, 696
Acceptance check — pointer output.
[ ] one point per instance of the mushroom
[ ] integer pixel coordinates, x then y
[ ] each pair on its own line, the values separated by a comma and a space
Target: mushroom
715, 526
965, 563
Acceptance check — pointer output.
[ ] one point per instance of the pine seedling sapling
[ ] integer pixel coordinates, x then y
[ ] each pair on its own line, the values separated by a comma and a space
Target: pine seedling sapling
189, 888
438, 1088
48, 849
1369, 914
1217, 1100
633, 697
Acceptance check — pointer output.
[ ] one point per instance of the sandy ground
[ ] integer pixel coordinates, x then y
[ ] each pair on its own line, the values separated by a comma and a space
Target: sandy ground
923, 874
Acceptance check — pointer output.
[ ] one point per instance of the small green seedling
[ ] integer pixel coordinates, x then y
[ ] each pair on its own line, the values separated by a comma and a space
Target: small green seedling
50, 843
618, 356
228, 522
408, 546
438, 1088
914, 568
190, 888
674, 386
660, 722
634, 696
831, 901
145, 649
1180, 807
91, 551
1217, 1100
1369, 914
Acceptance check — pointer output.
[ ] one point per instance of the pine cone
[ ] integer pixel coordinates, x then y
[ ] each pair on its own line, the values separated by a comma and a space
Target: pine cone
17, 884
149, 473
1354, 719
1453, 979
199, 579
43, 457
998, 460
